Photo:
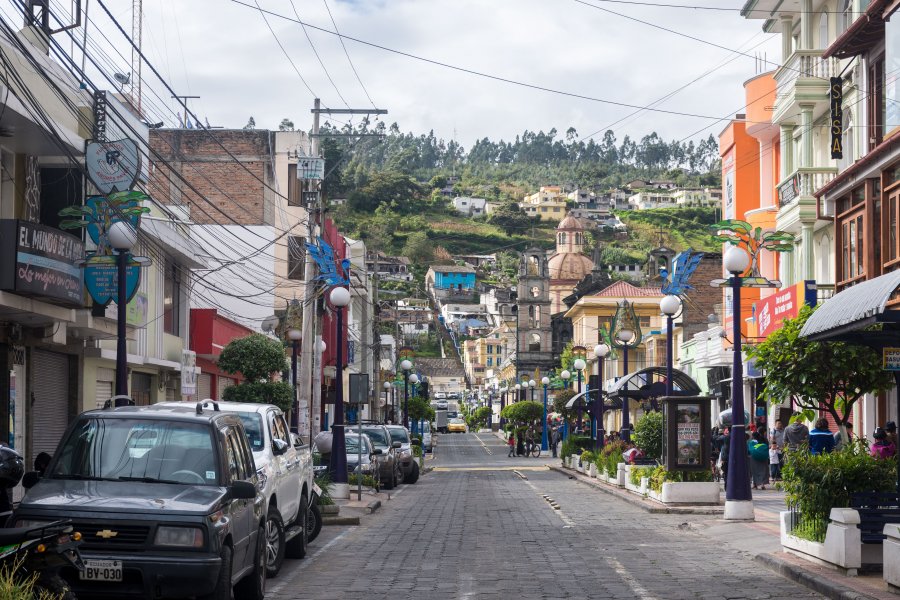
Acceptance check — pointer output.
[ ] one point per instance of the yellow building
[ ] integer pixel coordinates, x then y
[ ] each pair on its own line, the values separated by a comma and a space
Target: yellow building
483, 355
591, 314
548, 203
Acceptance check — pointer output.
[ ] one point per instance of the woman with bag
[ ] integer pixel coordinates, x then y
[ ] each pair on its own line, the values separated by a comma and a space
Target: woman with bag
759, 460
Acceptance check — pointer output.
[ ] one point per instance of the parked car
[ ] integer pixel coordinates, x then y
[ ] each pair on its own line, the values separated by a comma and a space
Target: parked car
284, 467
427, 443
389, 461
441, 405
409, 466
362, 459
456, 426
166, 498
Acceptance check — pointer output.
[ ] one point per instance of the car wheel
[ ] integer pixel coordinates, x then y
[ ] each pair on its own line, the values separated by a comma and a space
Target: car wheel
53, 586
413, 474
313, 522
253, 586
223, 583
274, 541
391, 480
296, 548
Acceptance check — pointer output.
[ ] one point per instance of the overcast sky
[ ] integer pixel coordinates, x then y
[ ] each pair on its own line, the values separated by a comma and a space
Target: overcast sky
225, 53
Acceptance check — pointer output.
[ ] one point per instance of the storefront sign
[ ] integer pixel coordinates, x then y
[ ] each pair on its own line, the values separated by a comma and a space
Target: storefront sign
101, 277
789, 190
890, 359
310, 168
137, 310
113, 166
359, 388
686, 441
837, 118
785, 304
188, 373
40, 261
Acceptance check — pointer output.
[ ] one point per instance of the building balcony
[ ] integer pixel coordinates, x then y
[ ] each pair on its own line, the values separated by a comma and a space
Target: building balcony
795, 194
804, 78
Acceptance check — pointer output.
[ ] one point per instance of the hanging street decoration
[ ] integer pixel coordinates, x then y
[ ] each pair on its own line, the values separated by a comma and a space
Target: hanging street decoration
753, 240
625, 318
684, 265
113, 166
323, 255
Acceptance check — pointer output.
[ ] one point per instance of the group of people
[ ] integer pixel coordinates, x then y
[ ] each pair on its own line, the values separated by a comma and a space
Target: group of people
767, 453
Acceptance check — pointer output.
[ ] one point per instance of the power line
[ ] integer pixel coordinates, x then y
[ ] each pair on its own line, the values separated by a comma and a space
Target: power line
316, 52
284, 51
346, 53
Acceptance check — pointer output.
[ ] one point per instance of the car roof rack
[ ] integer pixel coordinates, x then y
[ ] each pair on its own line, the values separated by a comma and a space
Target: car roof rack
203, 404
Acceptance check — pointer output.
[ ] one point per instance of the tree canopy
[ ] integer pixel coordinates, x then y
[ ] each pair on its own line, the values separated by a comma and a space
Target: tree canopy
257, 357
523, 413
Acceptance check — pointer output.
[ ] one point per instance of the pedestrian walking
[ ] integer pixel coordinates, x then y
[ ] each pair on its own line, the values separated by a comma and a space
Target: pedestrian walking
778, 433
511, 442
759, 460
821, 439
774, 460
882, 448
554, 440
795, 435
839, 439
891, 429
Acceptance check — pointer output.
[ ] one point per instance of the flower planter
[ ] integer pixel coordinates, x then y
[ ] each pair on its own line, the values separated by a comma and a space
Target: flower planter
621, 475
330, 509
842, 548
593, 471
891, 550
690, 492
645, 485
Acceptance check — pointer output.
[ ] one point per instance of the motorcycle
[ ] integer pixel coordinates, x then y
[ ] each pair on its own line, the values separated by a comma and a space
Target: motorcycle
35, 551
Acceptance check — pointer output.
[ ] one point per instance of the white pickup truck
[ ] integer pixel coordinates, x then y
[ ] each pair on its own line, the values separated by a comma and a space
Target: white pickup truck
285, 474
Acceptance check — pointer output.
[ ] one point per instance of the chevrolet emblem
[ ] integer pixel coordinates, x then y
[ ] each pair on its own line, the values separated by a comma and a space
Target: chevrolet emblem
106, 534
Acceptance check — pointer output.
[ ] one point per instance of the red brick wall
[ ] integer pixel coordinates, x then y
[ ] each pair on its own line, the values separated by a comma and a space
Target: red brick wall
232, 194
702, 300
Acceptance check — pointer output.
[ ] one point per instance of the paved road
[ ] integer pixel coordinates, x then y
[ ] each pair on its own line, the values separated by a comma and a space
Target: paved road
480, 526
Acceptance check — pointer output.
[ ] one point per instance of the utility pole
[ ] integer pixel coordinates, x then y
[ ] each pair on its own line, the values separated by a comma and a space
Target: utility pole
310, 369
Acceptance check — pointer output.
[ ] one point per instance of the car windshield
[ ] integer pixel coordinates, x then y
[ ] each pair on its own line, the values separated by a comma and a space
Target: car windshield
426, 427
399, 435
352, 443
138, 450
457, 421
253, 426
378, 437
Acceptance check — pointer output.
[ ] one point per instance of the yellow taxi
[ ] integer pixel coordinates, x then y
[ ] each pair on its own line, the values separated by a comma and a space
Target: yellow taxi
456, 426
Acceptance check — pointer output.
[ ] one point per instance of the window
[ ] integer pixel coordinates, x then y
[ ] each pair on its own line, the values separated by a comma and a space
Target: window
875, 102
846, 14
889, 76
490, 361
295, 187
296, 259
823, 30
172, 300
490, 349
534, 343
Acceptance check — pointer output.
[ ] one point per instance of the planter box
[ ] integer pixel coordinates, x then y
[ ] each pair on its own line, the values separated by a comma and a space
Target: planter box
691, 492
842, 548
645, 485
330, 509
579, 468
621, 476
891, 550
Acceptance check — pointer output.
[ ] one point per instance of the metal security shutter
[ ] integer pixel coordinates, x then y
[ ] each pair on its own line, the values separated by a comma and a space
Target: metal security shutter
104, 392
50, 407
204, 386
224, 383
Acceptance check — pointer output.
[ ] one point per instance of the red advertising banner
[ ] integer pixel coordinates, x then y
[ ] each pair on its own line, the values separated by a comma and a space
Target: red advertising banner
785, 304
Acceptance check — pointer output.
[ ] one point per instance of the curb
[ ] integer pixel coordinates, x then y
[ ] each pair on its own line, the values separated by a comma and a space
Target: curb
649, 505
340, 520
373, 506
809, 580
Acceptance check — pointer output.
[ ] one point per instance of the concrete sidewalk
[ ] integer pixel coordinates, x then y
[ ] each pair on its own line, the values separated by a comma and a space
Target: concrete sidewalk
758, 540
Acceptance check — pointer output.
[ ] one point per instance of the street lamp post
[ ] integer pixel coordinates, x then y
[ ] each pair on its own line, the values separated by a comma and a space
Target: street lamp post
122, 237
414, 380
545, 443
518, 391
531, 384
387, 396
624, 337
337, 465
406, 365
738, 497
669, 305
600, 351
579, 366
565, 376
294, 335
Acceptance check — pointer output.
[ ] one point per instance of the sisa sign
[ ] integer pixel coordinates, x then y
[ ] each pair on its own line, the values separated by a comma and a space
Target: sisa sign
785, 304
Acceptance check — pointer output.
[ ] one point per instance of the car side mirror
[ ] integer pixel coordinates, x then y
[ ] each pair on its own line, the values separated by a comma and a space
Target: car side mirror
30, 479
377, 451
396, 445
243, 490
279, 446
416, 442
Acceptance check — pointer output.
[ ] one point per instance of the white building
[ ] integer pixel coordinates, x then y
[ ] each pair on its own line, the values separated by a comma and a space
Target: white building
471, 207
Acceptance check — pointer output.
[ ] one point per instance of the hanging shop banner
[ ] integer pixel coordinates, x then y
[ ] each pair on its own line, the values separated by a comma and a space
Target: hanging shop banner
104, 213
101, 277
113, 166
785, 304
188, 373
40, 261
789, 190
837, 118
890, 359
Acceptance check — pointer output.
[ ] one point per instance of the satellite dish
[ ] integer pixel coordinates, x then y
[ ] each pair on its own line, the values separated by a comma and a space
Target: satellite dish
269, 324
123, 79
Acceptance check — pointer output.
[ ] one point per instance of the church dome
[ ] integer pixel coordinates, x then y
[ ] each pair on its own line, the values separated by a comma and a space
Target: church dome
570, 223
569, 265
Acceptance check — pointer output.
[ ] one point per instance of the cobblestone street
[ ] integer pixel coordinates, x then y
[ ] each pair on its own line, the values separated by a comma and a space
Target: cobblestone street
481, 526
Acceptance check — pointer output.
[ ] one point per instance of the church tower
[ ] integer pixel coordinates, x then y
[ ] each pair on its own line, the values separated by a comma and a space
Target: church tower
533, 336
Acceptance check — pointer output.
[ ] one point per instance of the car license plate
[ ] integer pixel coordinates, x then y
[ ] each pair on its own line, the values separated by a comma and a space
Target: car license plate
101, 570
317, 489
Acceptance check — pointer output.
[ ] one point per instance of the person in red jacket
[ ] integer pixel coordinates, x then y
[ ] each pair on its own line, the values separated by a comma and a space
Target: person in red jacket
511, 442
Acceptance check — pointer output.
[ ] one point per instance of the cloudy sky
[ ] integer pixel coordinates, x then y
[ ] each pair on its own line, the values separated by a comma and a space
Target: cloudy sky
224, 52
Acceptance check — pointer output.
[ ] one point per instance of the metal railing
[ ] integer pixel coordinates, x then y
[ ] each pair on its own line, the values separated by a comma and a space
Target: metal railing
804, 182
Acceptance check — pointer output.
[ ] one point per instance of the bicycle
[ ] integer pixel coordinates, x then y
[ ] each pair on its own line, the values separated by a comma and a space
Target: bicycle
533, 449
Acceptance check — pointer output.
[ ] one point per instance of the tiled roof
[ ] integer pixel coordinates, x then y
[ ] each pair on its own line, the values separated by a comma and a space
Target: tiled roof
439, 367
451, 269
624, 289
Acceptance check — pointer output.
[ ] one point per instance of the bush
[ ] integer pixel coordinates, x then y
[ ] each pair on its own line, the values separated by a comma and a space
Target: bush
18, 587
610, 457
587, 457
638, 472
659, 476
324, 482
648, 434
367, 480
814, 484
568, 448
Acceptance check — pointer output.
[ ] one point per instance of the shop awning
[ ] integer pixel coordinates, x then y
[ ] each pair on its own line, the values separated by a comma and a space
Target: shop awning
585, 399
864, 33
842, 316
651, 383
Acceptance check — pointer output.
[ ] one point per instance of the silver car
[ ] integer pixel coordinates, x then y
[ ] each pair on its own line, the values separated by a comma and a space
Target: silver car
389, 459
408, 463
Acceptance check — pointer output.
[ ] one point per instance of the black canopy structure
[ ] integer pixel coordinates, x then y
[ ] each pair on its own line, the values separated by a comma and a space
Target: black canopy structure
584, 401
650, 383
847, 316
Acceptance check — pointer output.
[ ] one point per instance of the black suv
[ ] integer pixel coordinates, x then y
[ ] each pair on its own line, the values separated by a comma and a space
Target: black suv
166, 500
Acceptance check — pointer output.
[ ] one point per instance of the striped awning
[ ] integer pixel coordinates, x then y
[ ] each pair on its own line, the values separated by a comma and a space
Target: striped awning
854, 308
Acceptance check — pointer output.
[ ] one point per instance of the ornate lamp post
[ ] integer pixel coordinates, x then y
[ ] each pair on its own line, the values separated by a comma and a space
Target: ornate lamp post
414, 380
738, 497
565, 376
387, 396
122, 237
669, 305
545, 443
600, 351
406, 365
294, 335
626, 330
531, 384
579, 366
337, 465
518, 392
